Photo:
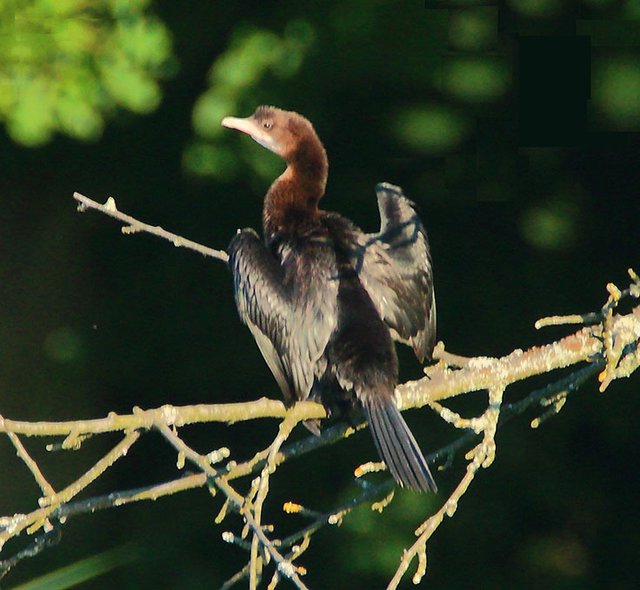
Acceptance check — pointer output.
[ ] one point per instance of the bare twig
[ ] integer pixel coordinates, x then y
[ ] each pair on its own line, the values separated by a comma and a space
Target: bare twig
38, 518
237, 577
284, 430
284, 566
481, 456
134, 226
45, 486
36, 547
124, 497
170, 415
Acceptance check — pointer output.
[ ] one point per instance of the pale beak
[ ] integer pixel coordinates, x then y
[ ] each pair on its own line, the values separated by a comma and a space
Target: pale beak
250, 127
245, 125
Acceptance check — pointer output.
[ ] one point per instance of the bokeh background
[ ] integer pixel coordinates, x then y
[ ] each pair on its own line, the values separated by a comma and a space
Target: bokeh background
515, 129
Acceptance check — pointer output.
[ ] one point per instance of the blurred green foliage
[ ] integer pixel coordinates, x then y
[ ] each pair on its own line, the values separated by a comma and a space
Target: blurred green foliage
616, 92
473, 29
432, 129
537, 9
365, 523
63, 345
67, 65
552, 225
476, 78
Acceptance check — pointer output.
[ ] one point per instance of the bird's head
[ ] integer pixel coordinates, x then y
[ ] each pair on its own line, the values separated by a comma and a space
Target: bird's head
283, 132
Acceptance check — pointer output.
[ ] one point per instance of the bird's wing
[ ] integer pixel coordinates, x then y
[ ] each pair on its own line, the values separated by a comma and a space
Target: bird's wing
395, 268
290, 319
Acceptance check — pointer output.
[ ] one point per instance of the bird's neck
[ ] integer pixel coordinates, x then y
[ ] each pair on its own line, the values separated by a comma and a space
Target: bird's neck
295, 194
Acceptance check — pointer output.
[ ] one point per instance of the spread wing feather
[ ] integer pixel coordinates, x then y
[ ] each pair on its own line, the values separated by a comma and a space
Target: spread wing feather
290, 319
395, 268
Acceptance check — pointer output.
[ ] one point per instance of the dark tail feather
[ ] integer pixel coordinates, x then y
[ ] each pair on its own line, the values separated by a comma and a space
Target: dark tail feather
397, 447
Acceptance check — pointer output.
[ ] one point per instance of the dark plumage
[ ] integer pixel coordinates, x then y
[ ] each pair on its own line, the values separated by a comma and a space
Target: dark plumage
323, 299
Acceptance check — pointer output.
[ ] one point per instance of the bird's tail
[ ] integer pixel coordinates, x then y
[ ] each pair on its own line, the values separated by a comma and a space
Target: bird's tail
397, 446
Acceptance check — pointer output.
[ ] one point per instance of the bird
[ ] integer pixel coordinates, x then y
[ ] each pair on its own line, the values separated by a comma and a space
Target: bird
324, 300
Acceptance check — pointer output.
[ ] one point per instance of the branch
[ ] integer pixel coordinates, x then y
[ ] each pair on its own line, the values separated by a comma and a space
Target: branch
132, 226
372, 494
620, 356
45, 486
442, 382
167, 414
39, 544
49, 504
124, 497
251, 515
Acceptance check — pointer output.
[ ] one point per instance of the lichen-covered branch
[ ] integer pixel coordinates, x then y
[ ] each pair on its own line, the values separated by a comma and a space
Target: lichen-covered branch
242, 504
442, 382
49, 503
133, 225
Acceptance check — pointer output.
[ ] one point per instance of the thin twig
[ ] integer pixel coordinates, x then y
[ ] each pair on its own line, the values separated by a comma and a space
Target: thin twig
39, 544
45, 486
284, 566
202, 463
119, 451
284, 430
481, 456
133, 226
124, 497
237, 577
38, 518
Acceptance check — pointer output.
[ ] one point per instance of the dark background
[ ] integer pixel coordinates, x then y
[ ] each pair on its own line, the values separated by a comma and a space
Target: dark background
515, 130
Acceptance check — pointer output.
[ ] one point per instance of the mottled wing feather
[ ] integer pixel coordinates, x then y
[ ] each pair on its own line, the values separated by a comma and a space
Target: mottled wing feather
314, 299
291, 320
395, 268
261, 300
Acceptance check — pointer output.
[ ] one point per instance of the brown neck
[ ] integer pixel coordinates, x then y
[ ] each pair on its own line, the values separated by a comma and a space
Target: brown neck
295, 194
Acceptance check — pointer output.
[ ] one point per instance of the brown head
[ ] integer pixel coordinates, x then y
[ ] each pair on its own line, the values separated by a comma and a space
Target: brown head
285, 133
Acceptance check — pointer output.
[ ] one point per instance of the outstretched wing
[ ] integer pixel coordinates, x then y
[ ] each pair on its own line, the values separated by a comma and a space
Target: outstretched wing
290, 319
395, 269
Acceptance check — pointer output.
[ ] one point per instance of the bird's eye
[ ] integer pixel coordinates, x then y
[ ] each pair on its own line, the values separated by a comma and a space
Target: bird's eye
267, 124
